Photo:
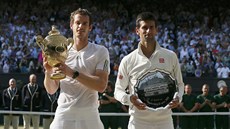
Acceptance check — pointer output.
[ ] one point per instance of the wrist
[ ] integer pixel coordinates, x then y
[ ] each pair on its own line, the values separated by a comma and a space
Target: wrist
47, 72
131, 98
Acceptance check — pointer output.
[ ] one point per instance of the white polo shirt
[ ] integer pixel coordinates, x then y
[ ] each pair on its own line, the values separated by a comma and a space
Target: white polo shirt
74, 96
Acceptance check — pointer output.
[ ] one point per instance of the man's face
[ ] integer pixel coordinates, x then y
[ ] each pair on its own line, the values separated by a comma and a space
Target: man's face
205, 89
223, 90
81, 26
12, 83
188, 90
147, 31
33, 79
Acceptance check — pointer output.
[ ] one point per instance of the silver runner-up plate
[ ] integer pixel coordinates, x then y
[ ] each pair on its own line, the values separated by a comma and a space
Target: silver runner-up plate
156, 89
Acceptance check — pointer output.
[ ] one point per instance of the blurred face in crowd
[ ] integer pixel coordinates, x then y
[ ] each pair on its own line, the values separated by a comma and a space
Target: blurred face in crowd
81, 26
205, 89
12, 83
108, 88
188, 89
223, 90
33, 78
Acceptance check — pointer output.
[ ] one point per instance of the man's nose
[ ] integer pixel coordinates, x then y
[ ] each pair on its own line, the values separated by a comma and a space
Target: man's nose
80, 25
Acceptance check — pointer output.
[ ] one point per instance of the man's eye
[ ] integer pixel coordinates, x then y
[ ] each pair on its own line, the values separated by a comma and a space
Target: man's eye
144, 28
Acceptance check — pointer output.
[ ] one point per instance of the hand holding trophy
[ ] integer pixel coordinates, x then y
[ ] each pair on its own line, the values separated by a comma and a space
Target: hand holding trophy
55, 49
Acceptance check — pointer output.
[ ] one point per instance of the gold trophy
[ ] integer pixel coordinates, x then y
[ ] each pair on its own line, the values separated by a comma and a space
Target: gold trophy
55, 48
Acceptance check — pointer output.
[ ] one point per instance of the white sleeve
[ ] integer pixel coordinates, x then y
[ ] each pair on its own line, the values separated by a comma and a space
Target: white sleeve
122, 83
179, 79
103, 60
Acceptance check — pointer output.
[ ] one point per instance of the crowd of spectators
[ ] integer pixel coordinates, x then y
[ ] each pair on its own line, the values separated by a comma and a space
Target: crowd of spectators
198, 31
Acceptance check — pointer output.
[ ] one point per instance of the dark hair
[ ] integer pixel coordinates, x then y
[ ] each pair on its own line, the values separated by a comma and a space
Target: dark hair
145, 16
111, 85
81, 12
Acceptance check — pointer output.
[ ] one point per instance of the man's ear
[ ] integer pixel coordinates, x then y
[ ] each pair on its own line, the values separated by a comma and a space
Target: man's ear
90, 27
137, 31
71, 26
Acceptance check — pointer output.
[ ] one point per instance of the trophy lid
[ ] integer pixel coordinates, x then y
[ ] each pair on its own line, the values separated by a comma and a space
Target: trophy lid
54, 31
55, 38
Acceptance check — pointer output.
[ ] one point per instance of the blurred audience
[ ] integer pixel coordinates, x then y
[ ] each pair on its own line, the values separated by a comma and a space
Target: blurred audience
198, 31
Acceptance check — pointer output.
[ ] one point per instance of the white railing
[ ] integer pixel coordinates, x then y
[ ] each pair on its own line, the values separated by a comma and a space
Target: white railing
117, 114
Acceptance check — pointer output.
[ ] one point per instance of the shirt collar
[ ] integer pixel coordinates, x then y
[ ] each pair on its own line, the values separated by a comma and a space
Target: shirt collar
156, 49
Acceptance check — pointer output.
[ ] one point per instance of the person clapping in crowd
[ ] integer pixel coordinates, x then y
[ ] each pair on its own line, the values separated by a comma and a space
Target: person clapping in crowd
222, 101
206, 104
189, 104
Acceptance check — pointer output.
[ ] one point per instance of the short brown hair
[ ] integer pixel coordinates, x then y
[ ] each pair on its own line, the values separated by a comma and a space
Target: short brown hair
81, 12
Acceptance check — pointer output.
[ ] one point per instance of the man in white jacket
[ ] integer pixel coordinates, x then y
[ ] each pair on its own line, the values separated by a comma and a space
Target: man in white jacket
153, 78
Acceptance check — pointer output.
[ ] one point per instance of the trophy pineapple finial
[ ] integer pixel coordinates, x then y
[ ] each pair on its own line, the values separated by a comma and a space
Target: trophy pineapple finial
54, 31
